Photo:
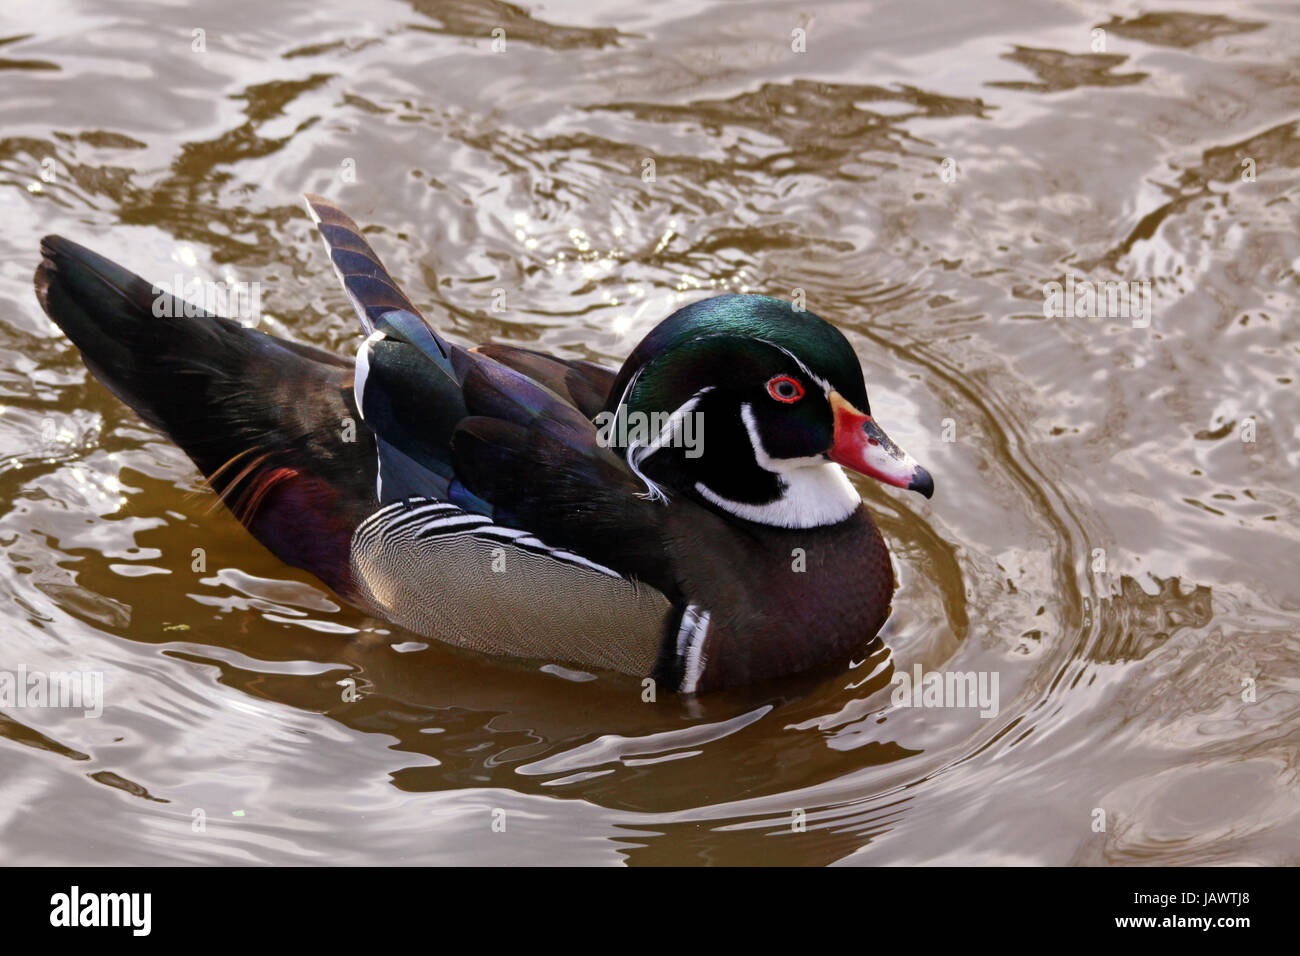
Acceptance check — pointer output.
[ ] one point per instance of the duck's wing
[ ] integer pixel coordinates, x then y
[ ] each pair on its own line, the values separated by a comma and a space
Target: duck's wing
499, 431
585, 385
488, 463
408, 378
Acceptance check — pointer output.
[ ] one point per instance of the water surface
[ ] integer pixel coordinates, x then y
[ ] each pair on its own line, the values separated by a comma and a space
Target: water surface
1104, 538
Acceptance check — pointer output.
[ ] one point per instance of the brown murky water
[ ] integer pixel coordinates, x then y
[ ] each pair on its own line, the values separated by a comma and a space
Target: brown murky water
1115, 529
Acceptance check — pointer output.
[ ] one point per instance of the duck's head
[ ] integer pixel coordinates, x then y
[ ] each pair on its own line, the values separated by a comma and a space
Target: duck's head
752, 405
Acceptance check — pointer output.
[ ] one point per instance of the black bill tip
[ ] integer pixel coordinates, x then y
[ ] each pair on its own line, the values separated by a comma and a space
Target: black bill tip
922, 482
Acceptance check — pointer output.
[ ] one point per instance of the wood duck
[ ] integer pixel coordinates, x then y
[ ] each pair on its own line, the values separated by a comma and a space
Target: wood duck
684, 518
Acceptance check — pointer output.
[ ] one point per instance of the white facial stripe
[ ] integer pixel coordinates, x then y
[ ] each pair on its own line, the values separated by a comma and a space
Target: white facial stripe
825, 385
814, 491
627, 389
639, 453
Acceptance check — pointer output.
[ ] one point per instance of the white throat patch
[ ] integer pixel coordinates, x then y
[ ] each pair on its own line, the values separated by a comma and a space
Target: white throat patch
814, 491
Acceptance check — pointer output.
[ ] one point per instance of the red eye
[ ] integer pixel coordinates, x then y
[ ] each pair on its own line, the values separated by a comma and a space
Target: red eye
785, 389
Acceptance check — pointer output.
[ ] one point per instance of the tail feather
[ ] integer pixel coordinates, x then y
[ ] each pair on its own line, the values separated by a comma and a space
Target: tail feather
368, 284
270, 423
379, 303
